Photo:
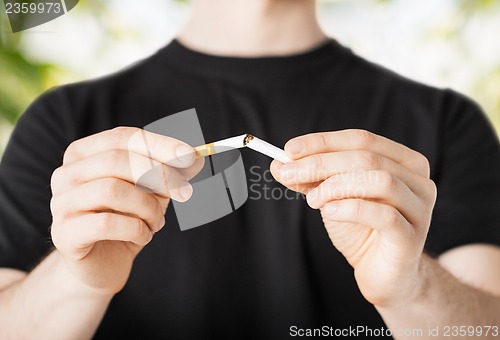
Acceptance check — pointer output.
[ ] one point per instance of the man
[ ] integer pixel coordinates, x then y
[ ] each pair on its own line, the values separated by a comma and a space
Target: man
367, 147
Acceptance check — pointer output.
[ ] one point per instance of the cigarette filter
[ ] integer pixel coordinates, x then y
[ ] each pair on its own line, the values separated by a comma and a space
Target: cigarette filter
220, 146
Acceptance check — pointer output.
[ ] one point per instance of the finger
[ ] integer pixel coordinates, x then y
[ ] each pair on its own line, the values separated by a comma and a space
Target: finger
110, 195
120, 164
319, 167
161, 148
164, 202
193, 170
345, 140
175, 185
374, 185
378, 216
302, 188
141, 166
79, 234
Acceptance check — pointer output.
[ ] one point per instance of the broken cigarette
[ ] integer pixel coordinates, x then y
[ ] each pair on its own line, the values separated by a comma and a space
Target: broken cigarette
246, 140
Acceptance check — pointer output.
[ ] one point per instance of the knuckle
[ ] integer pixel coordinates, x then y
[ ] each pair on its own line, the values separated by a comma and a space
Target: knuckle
104, 222
145, 201
322, 141
423, 164
157, 144
163, 201
362, 138
117, 135
152, 205
159, 210
138, 232
55, 235
71, 150
431, 190
113, 158
60, 238
121, 133
56, 174
318, 167
109, 188
353, 209
54, 205
55, 179
386, 181
166, 173
136, 228
369, 160
272, 168
58, 208
392, 216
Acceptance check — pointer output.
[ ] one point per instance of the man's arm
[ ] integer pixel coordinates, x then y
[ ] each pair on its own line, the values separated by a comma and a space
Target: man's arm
49, 303
10, 276
477, 265
101, 221
376, 200
446, 304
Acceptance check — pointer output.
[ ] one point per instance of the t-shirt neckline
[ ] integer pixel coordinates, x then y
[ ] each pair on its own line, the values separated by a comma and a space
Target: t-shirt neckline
178, 55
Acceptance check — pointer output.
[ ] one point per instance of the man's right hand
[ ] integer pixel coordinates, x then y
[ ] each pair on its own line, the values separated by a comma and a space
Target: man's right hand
101, 218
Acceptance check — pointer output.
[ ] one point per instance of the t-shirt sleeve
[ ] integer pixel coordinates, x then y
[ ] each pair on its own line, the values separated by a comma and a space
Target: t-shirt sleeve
34, 151
468, 179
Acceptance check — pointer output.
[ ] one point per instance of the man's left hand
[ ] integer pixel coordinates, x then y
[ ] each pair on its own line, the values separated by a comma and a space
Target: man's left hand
376, 201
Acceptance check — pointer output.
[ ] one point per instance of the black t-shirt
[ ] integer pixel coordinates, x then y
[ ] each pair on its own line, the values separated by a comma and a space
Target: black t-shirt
270, 265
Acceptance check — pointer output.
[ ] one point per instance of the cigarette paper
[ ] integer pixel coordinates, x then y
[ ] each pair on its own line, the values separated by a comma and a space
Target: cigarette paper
220, 146
266, 148
242, 141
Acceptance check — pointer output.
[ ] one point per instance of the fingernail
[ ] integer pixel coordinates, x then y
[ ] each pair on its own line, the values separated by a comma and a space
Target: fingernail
287, 171
184, 154
151, 237
295, 146
331, 208
185, 192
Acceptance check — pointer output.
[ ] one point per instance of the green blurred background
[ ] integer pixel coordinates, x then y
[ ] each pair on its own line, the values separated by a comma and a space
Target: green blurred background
446, 43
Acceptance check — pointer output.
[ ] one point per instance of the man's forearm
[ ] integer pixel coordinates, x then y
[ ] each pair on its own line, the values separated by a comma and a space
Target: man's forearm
50, 303
441, 303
